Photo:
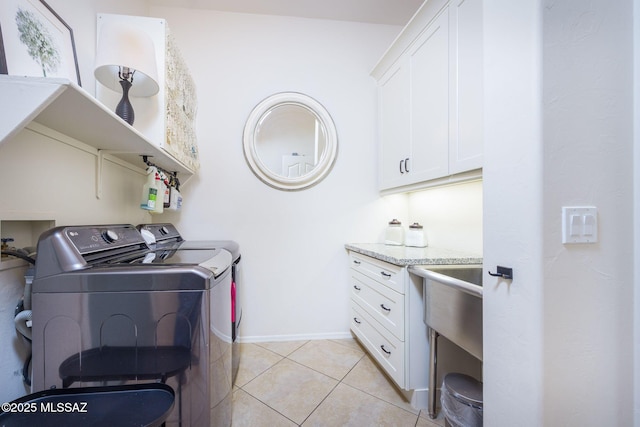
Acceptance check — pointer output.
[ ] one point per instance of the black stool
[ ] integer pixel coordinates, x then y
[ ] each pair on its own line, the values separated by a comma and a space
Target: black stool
128, 363
135, 405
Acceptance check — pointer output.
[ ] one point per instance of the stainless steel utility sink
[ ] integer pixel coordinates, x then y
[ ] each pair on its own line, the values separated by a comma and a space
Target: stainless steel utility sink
453, 308
453, 303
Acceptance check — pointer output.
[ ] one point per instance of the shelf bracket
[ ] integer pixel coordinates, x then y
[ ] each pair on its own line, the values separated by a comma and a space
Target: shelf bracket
99, 161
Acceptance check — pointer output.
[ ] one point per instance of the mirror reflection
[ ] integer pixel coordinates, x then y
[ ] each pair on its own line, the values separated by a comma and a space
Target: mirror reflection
290, 141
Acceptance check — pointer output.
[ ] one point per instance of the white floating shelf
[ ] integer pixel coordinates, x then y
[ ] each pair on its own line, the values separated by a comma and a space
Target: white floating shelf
65, 107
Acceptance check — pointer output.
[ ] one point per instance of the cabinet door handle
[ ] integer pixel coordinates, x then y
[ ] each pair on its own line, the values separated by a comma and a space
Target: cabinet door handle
357, 288
385, 308
385, 350
406, 165
355, 319
356, 262
401, 166
385, 274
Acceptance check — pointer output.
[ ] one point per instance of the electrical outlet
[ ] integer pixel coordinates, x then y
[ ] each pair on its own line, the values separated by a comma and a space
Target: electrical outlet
579, 224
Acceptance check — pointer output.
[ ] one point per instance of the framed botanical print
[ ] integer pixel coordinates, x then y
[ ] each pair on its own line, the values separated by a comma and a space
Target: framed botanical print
36, 41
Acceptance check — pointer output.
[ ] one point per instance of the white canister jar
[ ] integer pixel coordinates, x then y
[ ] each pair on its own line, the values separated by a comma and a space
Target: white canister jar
395, 233
415, 236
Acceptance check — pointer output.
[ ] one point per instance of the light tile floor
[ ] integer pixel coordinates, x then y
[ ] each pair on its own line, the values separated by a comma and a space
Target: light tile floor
317, 383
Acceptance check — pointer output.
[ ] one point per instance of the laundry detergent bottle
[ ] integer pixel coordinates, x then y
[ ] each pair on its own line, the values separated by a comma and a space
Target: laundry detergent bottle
150, 190
159, 206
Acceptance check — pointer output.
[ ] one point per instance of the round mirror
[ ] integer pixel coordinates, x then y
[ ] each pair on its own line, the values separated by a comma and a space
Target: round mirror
290, 141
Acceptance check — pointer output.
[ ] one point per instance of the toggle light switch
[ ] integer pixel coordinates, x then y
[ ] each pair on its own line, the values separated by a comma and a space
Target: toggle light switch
589, 225
579, 224
576, 225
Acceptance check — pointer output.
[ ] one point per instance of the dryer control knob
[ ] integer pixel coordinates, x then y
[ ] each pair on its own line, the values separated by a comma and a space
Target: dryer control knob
110, 236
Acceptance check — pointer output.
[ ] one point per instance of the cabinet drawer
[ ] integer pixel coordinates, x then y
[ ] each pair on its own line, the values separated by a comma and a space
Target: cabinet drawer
380, 271
386, 350
383, 304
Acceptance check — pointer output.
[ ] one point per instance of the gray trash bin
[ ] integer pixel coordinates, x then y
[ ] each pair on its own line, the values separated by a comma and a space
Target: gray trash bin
461, 398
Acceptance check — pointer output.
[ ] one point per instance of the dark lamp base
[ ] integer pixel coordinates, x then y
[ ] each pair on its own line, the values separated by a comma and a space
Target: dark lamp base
124, 108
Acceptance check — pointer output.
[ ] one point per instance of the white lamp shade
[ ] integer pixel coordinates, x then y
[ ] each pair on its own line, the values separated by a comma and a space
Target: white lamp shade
121, 45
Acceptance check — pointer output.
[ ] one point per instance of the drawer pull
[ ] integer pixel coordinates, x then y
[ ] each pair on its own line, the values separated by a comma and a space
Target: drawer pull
357, 288
385, 350
355, 319
385, 274
385, 308
356, 262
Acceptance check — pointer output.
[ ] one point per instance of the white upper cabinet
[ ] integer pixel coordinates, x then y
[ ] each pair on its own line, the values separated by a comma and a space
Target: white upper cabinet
467, 97
430, 98
394, 123
428, 62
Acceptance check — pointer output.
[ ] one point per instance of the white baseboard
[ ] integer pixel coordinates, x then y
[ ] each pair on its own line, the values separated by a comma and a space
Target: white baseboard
297, 337
419, 398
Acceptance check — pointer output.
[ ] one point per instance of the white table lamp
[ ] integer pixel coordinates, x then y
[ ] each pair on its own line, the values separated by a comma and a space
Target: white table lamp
126, 62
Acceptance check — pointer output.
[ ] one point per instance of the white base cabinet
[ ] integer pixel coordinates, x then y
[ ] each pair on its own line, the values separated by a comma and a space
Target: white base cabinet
430, 96
387, 318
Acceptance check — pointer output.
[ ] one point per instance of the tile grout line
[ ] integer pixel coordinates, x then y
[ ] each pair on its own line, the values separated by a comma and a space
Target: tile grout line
270, 407
332, 390
260, 400
255, 377
374, 396
320, 403
341, 381
278, 354
384, 401
299, 364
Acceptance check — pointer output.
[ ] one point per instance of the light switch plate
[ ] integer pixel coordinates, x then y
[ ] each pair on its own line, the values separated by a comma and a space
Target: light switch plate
579, 224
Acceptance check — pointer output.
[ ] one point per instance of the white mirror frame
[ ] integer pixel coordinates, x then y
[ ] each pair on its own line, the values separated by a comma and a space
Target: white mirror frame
326, 161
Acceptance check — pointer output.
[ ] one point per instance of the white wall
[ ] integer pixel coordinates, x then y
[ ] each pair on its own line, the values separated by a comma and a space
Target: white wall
636, 206
292, 243
588, 147
80, 15
559, 338
451, 216
513, 227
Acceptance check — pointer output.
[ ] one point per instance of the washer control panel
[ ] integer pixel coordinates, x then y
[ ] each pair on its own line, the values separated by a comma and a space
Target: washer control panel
91, 239
162, 232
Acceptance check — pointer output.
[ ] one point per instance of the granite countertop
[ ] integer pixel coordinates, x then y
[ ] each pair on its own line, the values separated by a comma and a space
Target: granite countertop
405, 255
